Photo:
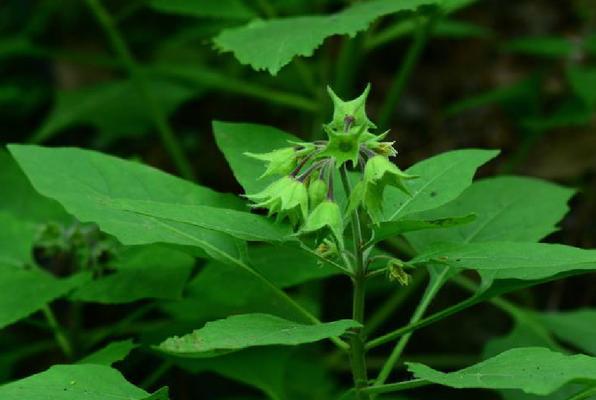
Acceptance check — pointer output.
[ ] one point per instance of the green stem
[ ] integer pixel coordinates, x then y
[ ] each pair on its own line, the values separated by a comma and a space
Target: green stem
434, 285
59, 334
396, 387
404, 72
137, 75
358, 354
156, 374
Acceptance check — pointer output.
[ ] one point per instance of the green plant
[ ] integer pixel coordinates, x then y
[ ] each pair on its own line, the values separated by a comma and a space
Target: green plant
430, 220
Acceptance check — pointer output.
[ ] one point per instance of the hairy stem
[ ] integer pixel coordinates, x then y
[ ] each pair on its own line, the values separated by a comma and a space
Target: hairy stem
434, 285
140, 81
358, 356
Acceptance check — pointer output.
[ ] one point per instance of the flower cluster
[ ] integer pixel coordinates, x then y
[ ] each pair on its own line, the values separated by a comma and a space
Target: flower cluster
304, 194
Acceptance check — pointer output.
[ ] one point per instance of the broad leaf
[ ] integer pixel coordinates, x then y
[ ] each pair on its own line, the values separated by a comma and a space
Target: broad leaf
141, 272
240, 224
121, 100
507, 208
22, 292
274, 43
249, 330
235, 139
511, 260
16, 241
532, 369
112, 353
76, 382
577, 327
87, 184
440, 179
225, 9
389, 229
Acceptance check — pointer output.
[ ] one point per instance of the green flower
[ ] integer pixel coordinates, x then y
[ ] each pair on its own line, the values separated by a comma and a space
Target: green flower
326, 215
286, 197
396, 272
282, 161
378, 173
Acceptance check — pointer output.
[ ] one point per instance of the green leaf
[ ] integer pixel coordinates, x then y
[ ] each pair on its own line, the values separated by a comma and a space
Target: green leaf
534, 370
141, 273
121, 100
16, 241
87, 184
240, 224
440, 179
543, 46
389, 229
76, 382
225, 9
576, 327
22, 292
511, 260
270, 45
235, 139
112, 353
507, 208
249, 330
21, 200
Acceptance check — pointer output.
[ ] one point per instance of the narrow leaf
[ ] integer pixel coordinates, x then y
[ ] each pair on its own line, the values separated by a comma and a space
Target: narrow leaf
533, 370
248, 330
224, 9
113, 352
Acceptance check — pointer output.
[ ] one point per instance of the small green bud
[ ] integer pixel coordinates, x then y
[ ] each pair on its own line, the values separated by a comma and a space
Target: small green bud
317, 192
396, 272
286, 197
327, 249
326, 215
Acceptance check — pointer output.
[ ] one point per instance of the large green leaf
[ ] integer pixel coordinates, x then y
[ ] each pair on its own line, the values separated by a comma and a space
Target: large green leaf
390, 229
22, 292
120, 100
441, 179
532, 369
511, 260
20, 199
225, 9
249, 330
507, 208
88, 184
235, 139
577, 327
76, 382
16, 241
240, 224
270, 45
141, 272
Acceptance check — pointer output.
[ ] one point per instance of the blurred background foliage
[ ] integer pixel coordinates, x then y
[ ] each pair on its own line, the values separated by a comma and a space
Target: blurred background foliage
143, 79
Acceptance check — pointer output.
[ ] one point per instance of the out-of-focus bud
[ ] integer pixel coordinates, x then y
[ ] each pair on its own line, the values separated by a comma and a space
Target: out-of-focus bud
286, 197
396, 272
317, 192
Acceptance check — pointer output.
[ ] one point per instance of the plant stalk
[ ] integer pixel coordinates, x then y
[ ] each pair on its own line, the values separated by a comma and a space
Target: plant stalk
434, 285
59, 334
357, 350
139, 80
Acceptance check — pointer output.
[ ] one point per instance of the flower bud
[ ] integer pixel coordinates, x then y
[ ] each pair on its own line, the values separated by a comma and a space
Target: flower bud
317, 192
325, 215
279, 162
396, 272
379, 170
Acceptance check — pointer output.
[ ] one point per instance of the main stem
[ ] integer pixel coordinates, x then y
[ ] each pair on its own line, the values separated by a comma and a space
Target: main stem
357, 350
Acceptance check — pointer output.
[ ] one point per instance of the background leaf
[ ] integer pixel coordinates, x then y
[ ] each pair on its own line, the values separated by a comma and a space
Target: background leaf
110, 354
274, 43
227, 9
